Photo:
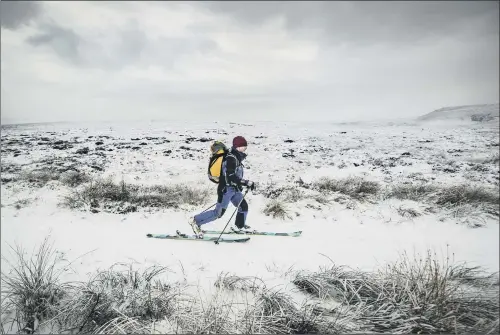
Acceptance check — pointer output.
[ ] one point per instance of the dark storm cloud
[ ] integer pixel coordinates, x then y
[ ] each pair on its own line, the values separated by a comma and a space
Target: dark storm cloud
71, 47
130, 45
63, 41
370, 22
330, 60
14, 14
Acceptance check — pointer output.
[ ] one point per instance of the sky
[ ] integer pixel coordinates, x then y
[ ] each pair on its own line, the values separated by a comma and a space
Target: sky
245, 61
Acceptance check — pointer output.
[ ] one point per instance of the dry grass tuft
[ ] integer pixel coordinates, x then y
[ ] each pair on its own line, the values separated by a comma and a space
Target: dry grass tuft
32, 290
277, 209
105, 194
112, 294
413, 296
457, 195
233, 282
408, 212
355, 187
125, 325
414, 192
287, 193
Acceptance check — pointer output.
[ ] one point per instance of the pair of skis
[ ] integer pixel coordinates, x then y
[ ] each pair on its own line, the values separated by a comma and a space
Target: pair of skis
181, 236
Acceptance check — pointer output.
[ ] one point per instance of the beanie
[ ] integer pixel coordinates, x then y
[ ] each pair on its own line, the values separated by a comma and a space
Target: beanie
239, 141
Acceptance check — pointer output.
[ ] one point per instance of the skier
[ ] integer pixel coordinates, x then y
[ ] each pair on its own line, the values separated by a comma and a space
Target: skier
229, 189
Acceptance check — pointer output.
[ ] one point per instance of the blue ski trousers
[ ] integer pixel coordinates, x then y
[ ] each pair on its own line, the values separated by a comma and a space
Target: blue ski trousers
225, 196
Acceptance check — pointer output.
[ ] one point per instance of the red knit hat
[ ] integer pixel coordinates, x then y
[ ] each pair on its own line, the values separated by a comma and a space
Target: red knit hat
239, 141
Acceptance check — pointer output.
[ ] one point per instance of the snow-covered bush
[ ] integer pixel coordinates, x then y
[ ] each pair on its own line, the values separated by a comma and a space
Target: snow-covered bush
122, 197
276, 209
355, 187
32, 291
412, 295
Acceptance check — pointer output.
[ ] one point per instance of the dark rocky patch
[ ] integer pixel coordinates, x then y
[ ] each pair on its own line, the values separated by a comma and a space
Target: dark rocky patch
82, 151
64, 146
195, 139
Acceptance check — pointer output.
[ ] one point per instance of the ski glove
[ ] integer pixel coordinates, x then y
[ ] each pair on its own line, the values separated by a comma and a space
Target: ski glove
249, 184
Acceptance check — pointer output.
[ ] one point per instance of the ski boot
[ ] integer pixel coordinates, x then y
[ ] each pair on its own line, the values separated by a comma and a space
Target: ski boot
196, 229
242, 230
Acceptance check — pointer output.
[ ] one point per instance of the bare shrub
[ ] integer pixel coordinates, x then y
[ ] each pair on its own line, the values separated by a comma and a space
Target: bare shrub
277, 209
355, 187
32, 291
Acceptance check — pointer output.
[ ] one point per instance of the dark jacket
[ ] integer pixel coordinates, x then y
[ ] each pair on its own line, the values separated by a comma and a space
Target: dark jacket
233, 170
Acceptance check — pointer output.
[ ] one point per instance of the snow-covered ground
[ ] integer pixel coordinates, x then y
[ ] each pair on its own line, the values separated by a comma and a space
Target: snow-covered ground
364, 235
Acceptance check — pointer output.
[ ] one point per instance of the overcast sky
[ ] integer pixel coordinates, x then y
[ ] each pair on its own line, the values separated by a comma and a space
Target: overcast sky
244, 61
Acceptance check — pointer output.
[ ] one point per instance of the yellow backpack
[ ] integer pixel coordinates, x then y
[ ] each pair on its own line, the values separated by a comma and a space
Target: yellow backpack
219, 152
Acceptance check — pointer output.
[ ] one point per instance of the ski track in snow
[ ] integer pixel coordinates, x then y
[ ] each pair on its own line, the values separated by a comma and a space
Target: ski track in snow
365, 237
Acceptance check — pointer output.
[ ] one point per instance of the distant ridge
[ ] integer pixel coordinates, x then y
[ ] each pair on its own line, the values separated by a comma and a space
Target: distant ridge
478, 113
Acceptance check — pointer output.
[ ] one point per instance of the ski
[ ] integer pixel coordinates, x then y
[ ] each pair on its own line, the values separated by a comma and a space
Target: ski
180, 236
254, 232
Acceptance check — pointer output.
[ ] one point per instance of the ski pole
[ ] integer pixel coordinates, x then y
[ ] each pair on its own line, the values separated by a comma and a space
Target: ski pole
217, 241
208, 208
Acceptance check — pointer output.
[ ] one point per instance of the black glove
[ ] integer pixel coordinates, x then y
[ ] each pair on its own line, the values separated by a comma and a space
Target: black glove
249, 184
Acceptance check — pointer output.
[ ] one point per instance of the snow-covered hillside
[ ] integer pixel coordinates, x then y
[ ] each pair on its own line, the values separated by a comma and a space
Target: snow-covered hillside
389, 189
471, 113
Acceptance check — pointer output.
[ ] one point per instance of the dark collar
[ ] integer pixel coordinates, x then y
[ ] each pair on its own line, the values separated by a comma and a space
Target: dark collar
240, 155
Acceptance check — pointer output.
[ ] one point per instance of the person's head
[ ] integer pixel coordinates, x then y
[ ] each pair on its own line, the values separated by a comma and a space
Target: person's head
240, 143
